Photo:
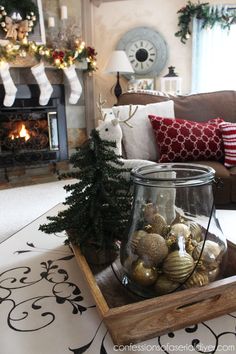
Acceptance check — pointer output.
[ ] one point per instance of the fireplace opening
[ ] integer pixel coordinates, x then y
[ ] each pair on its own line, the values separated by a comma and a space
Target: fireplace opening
31, 134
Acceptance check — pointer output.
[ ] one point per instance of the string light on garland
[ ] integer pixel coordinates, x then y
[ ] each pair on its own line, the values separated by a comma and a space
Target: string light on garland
59, 58
21, 20
203, 12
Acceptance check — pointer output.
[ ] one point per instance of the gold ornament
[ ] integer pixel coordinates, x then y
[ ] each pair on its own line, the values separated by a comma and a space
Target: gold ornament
143, 274
214, 273
152, 248
178, 265
196, 231
149, 212
148, 229
190, 245
180, 230
135, 238
164, 285
198, 278
179, 219
165, 230
158, 224
210, 253
171, 241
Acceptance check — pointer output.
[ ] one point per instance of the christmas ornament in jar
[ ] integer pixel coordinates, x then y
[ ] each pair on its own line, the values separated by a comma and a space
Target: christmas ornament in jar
174, 240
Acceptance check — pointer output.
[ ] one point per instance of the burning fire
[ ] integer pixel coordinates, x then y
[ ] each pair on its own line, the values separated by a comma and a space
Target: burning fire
21, 133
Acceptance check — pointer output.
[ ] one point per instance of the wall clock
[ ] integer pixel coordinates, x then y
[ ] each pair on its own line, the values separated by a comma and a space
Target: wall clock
146, 50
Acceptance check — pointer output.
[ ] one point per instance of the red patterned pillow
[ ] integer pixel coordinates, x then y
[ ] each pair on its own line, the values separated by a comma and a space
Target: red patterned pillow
228, 131
182, 140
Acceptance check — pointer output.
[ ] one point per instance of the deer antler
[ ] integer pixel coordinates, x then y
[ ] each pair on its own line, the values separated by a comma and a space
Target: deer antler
131, 114
100, 105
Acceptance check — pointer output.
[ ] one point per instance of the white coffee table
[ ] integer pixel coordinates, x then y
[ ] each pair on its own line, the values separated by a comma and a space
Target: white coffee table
227, 220
46, 307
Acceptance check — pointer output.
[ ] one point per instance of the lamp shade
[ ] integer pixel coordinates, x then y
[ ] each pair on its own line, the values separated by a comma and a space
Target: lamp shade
118, 62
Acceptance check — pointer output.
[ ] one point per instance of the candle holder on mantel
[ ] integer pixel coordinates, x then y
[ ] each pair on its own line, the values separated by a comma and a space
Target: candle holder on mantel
67, 34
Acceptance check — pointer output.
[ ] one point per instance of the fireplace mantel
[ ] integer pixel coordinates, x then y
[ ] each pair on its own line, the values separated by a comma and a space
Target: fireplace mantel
29, 61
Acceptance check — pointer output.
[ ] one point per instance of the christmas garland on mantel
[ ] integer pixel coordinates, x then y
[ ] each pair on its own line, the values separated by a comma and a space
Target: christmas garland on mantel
20, 46
59, 58
202, 12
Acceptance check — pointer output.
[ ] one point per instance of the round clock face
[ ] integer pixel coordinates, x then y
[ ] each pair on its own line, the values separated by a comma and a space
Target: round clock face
146, 50
142, 55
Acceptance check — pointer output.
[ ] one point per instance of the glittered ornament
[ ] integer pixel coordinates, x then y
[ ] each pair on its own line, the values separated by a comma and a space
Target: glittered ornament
142, 274
210, 254
198, 278
178, 265
164, 285
135, 238
152, 248
180, 230
158, 224
149, 212
196, 231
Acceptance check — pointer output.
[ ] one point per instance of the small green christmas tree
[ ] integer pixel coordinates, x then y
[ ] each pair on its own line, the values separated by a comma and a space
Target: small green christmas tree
99, 203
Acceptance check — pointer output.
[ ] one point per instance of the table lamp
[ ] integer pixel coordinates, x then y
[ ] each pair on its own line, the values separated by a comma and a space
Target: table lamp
118, 63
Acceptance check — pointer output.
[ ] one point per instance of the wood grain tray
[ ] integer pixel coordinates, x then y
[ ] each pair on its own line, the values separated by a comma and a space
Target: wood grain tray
131, 320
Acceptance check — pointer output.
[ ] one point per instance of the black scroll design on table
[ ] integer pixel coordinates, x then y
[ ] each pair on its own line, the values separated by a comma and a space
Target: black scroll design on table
59, 290
196, 343
85, 349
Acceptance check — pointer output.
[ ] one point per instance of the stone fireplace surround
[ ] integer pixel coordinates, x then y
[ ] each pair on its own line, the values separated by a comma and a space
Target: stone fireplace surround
17, 175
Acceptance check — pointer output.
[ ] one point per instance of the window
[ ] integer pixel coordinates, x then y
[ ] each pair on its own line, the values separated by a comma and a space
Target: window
214, 58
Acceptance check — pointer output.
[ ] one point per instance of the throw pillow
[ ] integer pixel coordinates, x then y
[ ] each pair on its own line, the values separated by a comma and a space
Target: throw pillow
182, 140
228, 131
139, 141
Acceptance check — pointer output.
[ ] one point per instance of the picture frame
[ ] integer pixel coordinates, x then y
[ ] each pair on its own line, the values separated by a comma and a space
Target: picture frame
37, 35
145, 84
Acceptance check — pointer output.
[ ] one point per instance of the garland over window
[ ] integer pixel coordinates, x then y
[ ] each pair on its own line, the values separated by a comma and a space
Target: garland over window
202, 12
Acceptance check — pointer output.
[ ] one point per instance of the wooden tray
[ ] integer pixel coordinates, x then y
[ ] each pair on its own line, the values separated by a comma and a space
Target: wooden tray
131, 320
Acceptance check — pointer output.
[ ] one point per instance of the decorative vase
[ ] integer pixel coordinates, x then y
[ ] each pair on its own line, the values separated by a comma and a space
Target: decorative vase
174, 240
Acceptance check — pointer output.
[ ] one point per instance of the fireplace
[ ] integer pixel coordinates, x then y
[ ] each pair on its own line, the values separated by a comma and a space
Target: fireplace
31, 134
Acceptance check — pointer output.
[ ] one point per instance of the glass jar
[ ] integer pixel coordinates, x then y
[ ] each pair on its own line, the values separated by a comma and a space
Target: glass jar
174, 240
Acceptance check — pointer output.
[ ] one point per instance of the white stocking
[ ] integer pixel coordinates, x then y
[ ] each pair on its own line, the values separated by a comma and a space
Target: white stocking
45, 87
10, 88
75, 86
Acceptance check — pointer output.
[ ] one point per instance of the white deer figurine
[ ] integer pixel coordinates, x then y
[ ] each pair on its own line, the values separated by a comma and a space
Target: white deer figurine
109, 129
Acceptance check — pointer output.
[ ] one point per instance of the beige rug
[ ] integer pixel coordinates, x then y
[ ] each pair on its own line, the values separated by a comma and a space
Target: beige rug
19, 206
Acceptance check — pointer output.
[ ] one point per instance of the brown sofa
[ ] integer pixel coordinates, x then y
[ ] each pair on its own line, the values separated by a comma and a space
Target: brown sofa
201, 107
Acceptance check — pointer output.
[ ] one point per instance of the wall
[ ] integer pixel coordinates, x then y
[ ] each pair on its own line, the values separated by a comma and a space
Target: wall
76, 124
113, 19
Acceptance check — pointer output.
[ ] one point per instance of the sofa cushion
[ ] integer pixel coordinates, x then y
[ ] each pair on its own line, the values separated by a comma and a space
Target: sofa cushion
232, 172
182, 140
139, 141
195, 107
222, 188
228, 131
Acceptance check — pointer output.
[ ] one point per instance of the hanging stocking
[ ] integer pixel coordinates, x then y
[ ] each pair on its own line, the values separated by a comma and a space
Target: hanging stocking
10, 88
45, 87
75, 86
